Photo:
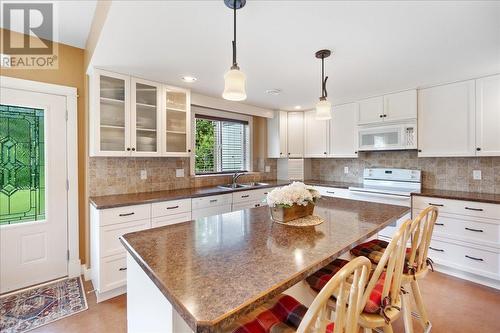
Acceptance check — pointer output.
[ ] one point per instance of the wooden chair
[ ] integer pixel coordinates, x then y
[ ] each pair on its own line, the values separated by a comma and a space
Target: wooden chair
382, 299
285, 314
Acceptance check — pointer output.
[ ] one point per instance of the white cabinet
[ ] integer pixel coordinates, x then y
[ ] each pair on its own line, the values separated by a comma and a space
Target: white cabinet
488, 116
135, 117
295, 134
343, 134
277, 135
211, 205
394, 107
249, 199
446, 120
315, 135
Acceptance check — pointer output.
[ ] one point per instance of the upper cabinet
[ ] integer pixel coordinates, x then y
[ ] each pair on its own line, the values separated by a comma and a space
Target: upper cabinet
343, 136
388, 108
446, 120
488, 116
277, 135
315, 135
295, 134
133, 117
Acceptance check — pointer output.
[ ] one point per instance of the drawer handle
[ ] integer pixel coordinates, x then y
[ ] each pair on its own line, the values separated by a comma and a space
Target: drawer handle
122, 269
434, 249
474, 209
474, 258
126, 214
439, 223
213, 200
266, 193
173, 207
331, 192
475, 230
437, 205
245, 196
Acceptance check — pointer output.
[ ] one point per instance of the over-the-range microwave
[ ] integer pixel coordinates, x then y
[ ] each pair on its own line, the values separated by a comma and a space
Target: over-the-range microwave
388, 137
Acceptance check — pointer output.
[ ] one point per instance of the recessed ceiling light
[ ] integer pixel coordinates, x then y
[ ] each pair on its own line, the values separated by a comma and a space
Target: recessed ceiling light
273, 91
189, 79
297, 107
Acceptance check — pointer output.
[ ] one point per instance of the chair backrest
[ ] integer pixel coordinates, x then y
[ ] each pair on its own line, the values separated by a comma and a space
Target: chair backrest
348, 285
391, 264
421, 232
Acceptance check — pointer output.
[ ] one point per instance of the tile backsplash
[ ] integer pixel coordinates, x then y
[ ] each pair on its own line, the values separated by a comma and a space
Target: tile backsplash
448, 173
118, 175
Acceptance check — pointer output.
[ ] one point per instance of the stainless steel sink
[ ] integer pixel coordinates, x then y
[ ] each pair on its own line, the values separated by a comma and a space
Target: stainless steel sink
255, 184
232, 186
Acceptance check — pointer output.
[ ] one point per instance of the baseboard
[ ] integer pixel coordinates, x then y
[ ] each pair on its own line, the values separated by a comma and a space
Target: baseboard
100, 297
74, 268
86, 272
467, 276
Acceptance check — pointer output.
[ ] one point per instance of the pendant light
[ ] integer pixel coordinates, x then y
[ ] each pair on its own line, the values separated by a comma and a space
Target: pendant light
323, 107
234, 79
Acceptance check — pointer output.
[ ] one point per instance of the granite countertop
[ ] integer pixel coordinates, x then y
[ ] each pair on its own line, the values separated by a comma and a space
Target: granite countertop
459, 195
214, 269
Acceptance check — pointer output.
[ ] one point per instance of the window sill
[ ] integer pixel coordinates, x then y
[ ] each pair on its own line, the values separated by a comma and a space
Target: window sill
225, 174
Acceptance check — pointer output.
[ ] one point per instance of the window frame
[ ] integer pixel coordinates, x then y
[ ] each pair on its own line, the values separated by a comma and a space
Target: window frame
217, 114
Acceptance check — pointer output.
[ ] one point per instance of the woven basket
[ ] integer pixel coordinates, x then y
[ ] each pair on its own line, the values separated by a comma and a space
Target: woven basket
286, 214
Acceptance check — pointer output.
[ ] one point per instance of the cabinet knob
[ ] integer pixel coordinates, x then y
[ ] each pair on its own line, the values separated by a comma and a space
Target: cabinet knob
281, 153
324, 153
128, 149
189, 150
133, 149
355, 152
385, 115
478, 149
381, 116
420, 150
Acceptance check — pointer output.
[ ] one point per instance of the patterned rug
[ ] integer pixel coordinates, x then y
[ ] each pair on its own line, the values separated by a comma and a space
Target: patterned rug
31, 308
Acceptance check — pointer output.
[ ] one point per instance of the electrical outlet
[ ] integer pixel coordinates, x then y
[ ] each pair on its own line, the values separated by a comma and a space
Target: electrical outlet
144, 174
268, 168
476, 174
179, 173
346, 170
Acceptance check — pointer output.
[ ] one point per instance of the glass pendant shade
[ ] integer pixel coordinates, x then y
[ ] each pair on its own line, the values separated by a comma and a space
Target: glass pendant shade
234, 85
323, 110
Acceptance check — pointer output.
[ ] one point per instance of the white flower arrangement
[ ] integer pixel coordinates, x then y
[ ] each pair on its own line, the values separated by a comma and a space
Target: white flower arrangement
296, 193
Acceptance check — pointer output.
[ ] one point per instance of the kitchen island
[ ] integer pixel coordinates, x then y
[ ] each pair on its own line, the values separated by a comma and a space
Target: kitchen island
201, 275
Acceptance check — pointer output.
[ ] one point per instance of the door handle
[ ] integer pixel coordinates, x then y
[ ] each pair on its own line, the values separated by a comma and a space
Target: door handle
434, 249
245, 196
173, 207
331, 192
122, 269
126, 214
475, 230
474, 209
213, 200
439, 223
474, 258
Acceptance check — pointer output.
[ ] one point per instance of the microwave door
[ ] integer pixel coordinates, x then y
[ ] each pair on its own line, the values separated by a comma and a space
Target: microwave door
381, 139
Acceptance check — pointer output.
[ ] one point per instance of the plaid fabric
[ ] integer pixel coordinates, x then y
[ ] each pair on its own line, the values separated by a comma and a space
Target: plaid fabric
280, 315
321, 277
374, 250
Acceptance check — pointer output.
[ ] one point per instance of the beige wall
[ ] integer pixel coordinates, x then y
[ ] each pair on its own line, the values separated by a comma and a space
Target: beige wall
69, 73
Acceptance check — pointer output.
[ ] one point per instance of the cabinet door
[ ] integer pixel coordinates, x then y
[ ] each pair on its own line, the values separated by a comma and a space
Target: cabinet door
488, 116
400, 106
177, 122
277, 135
315, 135
343, 131
145, 118
446, 120
371, 110
295, 134
110, 114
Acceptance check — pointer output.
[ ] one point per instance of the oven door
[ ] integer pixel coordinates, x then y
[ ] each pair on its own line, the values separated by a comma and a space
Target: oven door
389, 199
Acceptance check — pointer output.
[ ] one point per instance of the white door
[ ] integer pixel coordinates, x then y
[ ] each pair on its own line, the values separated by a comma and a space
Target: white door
371, 110
33, 195
488, 116
400, 106
295, 134
316, 135
344, 131
446, 120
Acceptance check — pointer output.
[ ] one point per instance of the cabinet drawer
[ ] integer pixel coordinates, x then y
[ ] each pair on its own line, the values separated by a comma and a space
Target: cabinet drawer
252, 195
465, 258
170, 219
170, 207
469, 208
109, 234
466, 229
113, 273
212, 201
246, 205
332, 192
125, 214
211, 211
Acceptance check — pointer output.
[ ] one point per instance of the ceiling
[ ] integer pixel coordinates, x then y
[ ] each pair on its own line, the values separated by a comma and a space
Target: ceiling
73, 19
378, 46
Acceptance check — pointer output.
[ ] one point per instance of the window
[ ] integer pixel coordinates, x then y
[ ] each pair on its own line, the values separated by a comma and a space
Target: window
221, 145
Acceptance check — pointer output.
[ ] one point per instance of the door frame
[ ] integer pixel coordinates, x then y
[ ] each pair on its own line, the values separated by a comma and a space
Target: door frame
74, 267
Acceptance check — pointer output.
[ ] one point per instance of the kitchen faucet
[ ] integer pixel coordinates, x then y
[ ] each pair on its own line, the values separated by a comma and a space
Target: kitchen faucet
236, 175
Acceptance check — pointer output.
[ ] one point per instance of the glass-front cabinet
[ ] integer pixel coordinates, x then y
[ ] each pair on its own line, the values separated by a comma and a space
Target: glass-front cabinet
134, 117
177, 121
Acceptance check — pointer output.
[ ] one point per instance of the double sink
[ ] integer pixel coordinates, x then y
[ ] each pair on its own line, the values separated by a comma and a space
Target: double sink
244, 185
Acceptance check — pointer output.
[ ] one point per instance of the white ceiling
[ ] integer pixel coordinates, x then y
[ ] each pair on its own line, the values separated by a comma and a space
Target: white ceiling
378, 47
73, 19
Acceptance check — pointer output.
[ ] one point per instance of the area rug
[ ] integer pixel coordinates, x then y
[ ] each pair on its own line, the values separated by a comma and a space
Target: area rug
34, 307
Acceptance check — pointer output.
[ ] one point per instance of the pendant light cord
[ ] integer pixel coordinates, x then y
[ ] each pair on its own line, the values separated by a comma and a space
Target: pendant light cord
235, 64
324, 93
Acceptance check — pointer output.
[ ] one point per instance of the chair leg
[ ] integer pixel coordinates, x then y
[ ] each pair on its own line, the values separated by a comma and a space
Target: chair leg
367, 330
424, 319
406, 310
388, 329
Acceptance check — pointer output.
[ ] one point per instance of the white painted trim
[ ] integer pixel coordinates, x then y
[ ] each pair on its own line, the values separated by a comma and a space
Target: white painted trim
72, 156
222, 104
86, 272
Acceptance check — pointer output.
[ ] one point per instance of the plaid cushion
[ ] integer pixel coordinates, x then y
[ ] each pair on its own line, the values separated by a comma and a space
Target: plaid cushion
280, 315
320, 278
374, 250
